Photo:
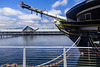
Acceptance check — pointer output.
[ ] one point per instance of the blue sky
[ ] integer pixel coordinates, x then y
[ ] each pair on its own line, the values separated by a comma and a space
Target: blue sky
12, 15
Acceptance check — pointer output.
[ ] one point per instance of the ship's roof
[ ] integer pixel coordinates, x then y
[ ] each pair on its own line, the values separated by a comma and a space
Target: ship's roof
72, 13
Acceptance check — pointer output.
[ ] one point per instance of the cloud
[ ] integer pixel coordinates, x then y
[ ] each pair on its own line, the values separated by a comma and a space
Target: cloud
14, 18
59, 3
29, 17
7, 21
66, 10
28, 22
9, 11
51, 25
4, 18
45, 25
57, 12
2, 25
44, 20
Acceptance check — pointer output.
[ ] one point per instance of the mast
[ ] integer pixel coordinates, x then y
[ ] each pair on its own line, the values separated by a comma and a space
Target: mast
42, 12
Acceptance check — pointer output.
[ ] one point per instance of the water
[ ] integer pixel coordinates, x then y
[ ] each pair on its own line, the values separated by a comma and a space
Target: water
38, 56
37, 40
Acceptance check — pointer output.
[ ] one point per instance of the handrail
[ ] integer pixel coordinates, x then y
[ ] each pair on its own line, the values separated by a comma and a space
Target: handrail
45, 47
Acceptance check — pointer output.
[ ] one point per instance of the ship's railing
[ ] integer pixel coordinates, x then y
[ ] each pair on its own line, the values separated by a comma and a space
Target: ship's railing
50, 56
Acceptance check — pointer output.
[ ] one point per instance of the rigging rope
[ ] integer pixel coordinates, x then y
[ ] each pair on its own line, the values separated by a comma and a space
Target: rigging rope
53, 64
94, 44
61, 54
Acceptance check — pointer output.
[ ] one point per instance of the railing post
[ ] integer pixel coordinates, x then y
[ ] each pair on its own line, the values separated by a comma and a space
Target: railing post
24, 57
88, 52
64, 57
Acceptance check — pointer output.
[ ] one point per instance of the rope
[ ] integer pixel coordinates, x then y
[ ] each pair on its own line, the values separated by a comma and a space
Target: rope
75, 42
91, 43
63, 59
61, 54
94, 44
53, 64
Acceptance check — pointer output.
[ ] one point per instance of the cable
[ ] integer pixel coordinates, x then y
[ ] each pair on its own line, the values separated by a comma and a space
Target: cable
66, 57
94, 44
61, 54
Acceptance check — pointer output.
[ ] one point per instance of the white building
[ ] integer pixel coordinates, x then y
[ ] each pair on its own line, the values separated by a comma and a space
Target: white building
30, 30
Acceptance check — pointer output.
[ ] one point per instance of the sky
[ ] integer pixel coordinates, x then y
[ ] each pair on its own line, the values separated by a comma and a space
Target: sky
13, 16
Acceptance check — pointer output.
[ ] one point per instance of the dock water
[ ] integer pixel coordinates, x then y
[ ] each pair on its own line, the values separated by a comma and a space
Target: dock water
36, 55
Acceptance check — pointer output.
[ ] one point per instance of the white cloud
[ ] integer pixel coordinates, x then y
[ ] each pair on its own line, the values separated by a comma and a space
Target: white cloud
45, 25
57, 12
59, 2
6, 19
56, 4
51, 25
2, 25
9, 11
29, 17
66, 10
28, 22
44, 20
6, 22
21, 19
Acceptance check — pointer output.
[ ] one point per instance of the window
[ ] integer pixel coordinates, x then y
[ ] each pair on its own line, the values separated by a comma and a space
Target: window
88, 16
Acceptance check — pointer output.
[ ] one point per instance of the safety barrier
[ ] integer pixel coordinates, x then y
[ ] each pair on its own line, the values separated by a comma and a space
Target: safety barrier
49, 56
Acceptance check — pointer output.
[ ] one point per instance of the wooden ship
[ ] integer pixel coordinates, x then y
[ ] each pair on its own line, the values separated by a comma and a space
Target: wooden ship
84, 18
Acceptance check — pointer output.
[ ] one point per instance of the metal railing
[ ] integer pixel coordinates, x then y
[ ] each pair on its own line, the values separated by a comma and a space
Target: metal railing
52, 49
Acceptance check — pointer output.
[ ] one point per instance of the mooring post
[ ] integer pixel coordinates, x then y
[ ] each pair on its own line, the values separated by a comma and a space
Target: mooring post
24, 57
64, 57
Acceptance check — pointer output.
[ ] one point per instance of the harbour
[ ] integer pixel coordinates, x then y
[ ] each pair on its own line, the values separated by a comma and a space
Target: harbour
65, 35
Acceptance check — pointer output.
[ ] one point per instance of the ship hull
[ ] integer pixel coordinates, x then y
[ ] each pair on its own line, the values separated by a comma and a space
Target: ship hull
89, 32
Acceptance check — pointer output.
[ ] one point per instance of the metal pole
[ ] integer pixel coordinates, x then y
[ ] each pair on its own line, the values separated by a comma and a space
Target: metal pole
88, 52
24, 57
64, 57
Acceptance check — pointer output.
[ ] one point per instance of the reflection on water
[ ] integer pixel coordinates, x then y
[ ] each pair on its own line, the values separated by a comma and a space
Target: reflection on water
9, 56
37, 40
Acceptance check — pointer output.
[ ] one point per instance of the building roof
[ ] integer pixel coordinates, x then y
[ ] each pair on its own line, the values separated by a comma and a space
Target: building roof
11, 30
20, 30
47, 30
34, 28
